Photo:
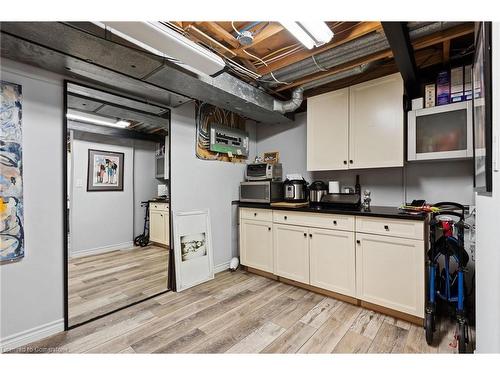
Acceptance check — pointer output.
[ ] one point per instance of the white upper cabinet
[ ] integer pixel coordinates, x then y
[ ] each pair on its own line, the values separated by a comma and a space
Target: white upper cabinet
328, 131
357, 127
376, 131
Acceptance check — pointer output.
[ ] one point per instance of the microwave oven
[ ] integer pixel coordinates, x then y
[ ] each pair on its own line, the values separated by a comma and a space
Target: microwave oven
264, 171
441, 132
261, 191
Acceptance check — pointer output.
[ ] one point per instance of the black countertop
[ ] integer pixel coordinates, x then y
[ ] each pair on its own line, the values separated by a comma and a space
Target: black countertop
160, 200
376, 211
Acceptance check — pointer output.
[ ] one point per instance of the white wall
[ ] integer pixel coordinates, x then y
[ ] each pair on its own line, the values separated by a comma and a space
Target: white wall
433, 181
31, 301
100, 219
200, 184
487, 247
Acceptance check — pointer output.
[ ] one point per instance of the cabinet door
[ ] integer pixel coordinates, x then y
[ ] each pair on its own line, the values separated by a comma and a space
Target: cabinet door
157, 226
327, 131
256, 244
333, 260
390, 272
291, 252
376, 123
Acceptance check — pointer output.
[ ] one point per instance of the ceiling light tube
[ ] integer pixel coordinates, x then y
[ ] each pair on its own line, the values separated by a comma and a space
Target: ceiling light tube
94, 119
318, 30
298, 32
310, 33
159, 39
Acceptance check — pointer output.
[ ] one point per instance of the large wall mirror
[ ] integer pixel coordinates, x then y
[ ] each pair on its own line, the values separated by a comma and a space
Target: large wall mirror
117, 202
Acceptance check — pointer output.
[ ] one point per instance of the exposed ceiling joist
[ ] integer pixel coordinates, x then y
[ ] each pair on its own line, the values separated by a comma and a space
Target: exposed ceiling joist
399, 41
353, 33
446, 51
200, 35
268, 32
442, 36
221, 33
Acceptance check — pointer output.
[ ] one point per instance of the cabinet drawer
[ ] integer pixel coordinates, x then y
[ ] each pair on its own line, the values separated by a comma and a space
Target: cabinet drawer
256, 214
158, 206
327, 221
391, 227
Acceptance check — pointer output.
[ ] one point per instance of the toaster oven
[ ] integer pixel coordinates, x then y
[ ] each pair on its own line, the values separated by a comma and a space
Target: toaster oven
264, 171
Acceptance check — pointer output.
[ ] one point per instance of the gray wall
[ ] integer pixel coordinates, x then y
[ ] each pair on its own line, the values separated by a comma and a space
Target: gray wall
100, 219
110, 219
433, 181
32, 289
201, 184
487, 247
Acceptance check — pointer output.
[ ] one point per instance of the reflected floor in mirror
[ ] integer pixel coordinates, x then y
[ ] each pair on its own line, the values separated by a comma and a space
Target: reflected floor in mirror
99, 284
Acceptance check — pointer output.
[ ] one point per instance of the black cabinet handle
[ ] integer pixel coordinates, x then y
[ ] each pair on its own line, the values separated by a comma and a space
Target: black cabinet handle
310, 235
286, 218
334, 222
386, 227
305, 234
255, 214
358, 242
269, 228
345, 161
350, 161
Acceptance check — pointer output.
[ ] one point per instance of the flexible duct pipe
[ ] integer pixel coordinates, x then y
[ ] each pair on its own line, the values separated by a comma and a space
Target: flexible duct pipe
292, 104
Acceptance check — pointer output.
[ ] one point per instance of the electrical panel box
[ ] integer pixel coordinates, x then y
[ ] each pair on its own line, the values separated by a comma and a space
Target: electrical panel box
227, 140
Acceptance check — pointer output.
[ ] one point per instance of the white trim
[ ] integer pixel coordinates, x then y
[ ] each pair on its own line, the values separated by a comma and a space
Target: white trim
104, 249
31, 335
222, 267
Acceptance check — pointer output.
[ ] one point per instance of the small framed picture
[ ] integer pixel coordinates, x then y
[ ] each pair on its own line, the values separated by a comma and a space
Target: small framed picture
105, 171
271, 157
192, 248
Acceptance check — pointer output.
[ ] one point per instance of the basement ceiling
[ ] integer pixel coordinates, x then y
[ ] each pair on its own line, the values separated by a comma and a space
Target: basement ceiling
359, 51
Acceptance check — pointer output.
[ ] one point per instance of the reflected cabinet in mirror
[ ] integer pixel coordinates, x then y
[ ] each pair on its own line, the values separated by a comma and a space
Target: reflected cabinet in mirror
118, 207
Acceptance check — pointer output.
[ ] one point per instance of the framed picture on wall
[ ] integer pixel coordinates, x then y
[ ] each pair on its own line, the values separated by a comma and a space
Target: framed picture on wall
105, 171
192, 248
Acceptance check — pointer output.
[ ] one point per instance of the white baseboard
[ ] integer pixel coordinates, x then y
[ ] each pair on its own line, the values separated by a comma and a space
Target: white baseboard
221, 267
104, 249
30, 335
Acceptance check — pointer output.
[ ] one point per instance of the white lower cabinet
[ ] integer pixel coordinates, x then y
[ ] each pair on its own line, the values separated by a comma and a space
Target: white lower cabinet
333, 260
256, 244
291, 252
390, 272
159, 223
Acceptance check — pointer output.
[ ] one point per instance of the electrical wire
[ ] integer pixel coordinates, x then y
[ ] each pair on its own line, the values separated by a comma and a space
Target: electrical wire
234, 28
321, 69
271, 73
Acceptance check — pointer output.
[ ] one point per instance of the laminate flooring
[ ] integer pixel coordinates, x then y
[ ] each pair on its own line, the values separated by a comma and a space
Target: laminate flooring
98, 284
241, 312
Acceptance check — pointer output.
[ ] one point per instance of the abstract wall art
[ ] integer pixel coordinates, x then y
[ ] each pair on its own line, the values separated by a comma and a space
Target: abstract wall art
105, 171
11, 176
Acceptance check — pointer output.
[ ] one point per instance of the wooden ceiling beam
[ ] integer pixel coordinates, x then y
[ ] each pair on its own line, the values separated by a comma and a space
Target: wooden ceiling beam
344, 37
219, 47
220, 33
446, 51
269, 31
442, 36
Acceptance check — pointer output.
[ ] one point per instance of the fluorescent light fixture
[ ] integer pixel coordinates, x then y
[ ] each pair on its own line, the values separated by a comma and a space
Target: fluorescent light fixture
159, 39
95, 119
309, 33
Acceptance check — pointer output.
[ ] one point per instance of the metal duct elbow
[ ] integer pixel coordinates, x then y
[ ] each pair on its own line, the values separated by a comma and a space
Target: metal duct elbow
292, 104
